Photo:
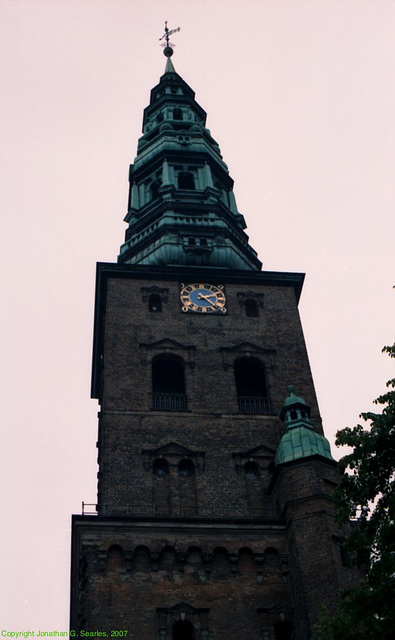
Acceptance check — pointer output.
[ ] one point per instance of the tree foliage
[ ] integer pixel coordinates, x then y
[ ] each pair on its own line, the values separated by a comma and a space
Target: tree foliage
366, 495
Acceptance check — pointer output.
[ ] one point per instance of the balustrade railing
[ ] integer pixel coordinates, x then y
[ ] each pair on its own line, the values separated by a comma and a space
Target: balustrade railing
254, 404
169, 401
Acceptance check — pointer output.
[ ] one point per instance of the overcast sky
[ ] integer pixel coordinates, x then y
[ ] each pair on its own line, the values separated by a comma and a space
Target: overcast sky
300, 97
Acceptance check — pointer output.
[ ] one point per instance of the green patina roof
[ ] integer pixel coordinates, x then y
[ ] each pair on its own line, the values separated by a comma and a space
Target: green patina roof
300, 442
169, 66
292, 398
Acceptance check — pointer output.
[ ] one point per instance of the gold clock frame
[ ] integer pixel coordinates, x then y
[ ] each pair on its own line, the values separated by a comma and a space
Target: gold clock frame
213, 298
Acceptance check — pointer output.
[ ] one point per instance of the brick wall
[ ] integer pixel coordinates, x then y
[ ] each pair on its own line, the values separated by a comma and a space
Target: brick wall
195, 523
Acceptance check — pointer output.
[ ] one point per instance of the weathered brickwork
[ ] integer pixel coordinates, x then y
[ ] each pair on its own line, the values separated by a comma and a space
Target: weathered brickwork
129, 575
196, 525
205, 342
211, 523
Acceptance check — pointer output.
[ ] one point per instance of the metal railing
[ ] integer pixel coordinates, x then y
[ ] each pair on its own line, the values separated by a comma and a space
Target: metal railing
89, 509
169, 401
254, 404
133, 509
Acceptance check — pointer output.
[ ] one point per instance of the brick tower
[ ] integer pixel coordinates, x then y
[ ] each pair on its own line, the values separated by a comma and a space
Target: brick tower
214, 519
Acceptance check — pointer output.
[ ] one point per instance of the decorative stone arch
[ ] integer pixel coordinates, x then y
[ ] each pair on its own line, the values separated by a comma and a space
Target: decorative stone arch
277, 622
248, 350
260, 455
167, 346
251, 301
253, 467
155, 297
173, 453
197, 619
174, 492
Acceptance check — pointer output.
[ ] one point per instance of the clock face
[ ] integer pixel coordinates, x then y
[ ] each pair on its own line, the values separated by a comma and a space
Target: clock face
203, 298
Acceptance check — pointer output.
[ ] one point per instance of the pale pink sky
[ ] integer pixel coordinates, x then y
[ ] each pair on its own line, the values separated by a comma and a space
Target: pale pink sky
300, 96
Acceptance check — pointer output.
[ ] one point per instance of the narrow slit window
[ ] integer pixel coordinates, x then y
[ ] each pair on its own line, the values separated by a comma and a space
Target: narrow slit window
155, 303
186, 180
251, 307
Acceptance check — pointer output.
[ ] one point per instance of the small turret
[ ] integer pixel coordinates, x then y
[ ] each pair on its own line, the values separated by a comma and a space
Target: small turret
300, 439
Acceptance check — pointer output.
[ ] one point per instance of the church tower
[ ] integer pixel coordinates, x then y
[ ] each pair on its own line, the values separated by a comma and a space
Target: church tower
213, 519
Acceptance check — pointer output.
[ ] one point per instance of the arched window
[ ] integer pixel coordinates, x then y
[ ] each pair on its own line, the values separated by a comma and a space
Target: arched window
186, 468
115, 558
155, 303
177, 114
142, 559
251, 471
251, 307
154, 188
183, 630
186, 180
160, 468
168, 558
251, 386
283, 630
168, 384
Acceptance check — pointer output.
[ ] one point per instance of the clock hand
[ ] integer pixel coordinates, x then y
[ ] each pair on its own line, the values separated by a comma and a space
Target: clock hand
210, 295
201, 296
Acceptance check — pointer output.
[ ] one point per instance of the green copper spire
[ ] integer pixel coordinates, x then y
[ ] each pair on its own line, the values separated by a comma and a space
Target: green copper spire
300, 440
182, 209
169, 66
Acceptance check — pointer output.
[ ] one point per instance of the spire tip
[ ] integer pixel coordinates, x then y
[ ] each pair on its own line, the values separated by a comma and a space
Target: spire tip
168, 46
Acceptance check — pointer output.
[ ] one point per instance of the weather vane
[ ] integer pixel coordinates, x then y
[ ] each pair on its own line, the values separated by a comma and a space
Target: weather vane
168, 46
